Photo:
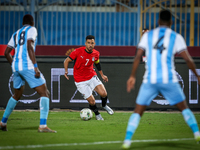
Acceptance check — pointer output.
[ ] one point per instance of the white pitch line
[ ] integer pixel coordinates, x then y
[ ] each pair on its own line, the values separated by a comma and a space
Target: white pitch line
93, 143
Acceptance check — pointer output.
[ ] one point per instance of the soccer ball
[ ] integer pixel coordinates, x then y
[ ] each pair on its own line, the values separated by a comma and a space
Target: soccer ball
86, 114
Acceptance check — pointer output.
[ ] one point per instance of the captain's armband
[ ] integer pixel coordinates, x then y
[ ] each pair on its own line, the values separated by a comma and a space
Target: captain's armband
96, 62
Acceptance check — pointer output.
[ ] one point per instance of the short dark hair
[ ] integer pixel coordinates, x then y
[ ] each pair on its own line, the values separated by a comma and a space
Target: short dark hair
165, 15
90, 37
28, 19
144, 30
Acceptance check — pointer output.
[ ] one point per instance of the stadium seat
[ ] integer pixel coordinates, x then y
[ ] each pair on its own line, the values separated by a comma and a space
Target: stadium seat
196, 2
133, 2
66, 2
51, 1
167, 3
112, 2
83, 2
69, 2
173, 3
4, 2
39, 2
99, 2
22, 2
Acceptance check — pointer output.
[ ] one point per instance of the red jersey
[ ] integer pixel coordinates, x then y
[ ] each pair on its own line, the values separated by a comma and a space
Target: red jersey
83, 67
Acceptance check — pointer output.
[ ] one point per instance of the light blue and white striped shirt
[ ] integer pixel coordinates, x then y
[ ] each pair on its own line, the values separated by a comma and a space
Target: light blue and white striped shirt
18, 41
160, 45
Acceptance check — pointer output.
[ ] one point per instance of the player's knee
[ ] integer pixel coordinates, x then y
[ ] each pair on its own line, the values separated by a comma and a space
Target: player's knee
43, 93
47, 93
17, 96
92, 103
104, 94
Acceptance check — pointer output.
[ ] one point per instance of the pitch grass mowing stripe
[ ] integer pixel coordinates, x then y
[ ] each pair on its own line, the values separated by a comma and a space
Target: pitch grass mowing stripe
93, 143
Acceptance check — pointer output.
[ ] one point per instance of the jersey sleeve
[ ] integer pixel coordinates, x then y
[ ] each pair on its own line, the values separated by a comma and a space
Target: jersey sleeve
143, 42
11, 43
32, 34
180, 44
73, 54
96, 61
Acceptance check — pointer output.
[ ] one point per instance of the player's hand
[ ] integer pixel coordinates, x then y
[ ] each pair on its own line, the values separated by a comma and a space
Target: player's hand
66, 72
130, 84
198, 80
105, 78
37, 72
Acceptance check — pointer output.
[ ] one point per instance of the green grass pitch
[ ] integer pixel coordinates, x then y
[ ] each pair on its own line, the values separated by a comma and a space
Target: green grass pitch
157, 131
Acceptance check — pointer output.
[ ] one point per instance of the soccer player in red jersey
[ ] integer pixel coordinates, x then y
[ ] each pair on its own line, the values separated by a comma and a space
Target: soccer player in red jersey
85, 77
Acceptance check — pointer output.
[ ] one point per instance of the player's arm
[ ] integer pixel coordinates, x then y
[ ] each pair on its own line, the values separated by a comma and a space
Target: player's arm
98, 66
10, 46
143, 31
66, 64
131, 80
31, 53
190, 63
181, 47
8, 55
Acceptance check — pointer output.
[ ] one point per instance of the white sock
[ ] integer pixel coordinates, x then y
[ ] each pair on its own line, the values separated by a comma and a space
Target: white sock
127, 142
197, 133
43, 126
3, 124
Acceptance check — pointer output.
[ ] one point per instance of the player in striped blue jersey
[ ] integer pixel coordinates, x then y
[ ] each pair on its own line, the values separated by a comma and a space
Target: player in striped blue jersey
160, 45
24, 68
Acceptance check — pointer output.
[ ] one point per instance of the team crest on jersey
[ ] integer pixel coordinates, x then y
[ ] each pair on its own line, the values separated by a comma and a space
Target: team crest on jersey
92, 58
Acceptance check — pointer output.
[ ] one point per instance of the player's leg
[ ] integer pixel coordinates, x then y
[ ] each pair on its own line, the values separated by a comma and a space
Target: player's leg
86, 91
93, 107
12, 102
18, 84
133, 123
39, 84
189, 119
174, 94
100, 89
146, 93
44, 108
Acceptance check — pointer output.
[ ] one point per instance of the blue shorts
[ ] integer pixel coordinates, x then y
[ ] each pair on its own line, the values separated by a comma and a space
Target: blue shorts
19, 78
171, 91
